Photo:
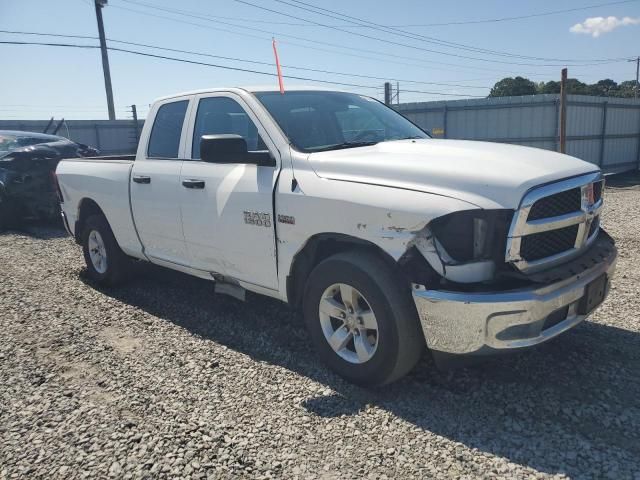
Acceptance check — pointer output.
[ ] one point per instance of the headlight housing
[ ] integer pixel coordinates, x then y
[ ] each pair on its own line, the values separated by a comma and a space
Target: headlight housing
467, 246
473, 235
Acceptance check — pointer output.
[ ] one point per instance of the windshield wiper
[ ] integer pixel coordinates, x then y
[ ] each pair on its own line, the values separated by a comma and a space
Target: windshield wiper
414, 137
341, 146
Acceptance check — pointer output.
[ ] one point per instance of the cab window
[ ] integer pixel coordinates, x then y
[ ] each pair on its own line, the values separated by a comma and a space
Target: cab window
164, 141
222, 115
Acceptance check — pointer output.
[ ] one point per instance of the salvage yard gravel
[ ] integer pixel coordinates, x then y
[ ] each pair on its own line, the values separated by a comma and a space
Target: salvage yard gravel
162, 378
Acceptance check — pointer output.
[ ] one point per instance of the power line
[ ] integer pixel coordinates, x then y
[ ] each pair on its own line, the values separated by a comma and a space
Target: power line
517, 17
256, 62
391, 58
423, 38
404, 45
224, 67
408, 25
271, 33
395, 31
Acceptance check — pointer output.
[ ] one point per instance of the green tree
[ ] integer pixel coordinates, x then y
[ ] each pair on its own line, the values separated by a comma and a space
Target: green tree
626, 89
549, 87
603, 88
576, 87
513, 86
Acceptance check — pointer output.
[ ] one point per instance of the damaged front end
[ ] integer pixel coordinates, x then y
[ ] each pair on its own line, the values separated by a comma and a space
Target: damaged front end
472, 300
461, 248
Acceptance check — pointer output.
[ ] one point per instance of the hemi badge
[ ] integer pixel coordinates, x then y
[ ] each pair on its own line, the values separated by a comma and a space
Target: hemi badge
287, 219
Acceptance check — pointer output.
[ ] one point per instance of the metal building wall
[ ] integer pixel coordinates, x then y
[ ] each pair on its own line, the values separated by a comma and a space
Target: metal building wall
109, 136
601, 130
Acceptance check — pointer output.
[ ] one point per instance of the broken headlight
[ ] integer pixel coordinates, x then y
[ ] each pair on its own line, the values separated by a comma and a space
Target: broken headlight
473, 235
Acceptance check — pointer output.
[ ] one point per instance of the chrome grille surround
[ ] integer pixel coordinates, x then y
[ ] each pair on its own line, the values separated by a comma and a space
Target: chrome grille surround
521, 226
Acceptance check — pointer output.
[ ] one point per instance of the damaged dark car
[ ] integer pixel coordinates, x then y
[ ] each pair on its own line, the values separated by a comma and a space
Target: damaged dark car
28, 161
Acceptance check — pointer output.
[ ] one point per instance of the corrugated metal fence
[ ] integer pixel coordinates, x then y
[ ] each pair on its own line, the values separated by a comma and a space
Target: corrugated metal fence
600, 130
109, 136
604, 131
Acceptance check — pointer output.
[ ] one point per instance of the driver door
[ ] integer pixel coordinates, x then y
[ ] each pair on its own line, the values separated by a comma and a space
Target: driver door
227, 209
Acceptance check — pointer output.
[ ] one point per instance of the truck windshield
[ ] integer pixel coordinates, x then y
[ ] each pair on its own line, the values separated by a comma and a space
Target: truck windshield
317, 121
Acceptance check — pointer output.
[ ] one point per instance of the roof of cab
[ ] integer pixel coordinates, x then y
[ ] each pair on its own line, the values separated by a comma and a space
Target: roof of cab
251, 89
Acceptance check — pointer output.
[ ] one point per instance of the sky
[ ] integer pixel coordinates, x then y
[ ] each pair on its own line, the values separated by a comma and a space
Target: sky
404, 41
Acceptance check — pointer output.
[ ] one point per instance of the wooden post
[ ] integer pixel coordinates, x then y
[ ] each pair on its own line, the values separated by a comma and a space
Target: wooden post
603, 135
387, 93
134, 113
557, 125
445, 125
563, 111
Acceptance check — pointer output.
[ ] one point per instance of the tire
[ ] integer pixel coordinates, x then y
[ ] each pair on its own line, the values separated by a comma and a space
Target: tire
109, 264
386, 353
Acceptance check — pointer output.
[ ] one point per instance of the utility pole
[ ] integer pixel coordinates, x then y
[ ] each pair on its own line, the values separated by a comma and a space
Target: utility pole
637, 60
105, 58
387, 93
397, 93
563, 111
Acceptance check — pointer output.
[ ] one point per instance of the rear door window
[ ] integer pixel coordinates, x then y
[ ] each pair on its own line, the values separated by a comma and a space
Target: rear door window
164, 141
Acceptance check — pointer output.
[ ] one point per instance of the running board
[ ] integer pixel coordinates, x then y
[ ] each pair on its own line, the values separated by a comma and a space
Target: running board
225, 287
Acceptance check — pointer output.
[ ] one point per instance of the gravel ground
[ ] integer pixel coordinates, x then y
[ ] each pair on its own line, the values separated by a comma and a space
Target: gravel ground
162, 378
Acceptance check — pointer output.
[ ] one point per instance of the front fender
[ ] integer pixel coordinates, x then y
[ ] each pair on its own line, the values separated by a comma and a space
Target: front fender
389, 218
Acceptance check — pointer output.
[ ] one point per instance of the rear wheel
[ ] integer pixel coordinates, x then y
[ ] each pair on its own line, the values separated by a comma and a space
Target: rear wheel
362, 319
106, 263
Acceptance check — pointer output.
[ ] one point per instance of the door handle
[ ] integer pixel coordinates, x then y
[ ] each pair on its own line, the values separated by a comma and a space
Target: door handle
141, 179
192, 183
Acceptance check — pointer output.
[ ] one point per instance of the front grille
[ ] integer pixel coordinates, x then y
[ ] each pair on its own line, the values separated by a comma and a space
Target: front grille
544, 244
557, 204
555, 222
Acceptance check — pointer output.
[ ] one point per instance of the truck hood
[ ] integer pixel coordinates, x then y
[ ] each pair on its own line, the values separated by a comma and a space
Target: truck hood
488, 175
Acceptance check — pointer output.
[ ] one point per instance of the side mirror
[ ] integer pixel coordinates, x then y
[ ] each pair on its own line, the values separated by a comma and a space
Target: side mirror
231, 148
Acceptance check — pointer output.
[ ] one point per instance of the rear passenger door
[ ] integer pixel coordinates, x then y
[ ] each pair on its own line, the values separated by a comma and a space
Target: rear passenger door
155, 184
228, 220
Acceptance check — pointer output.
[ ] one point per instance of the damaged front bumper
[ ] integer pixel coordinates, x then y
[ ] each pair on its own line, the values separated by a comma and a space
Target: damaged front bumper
464, 323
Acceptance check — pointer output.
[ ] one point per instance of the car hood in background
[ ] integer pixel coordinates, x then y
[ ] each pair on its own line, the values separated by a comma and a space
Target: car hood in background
489, 175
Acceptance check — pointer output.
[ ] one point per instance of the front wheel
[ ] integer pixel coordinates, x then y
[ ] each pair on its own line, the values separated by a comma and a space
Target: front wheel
362, 319
106, 263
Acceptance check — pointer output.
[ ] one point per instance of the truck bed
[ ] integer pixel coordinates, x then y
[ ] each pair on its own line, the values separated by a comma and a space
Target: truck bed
104, 180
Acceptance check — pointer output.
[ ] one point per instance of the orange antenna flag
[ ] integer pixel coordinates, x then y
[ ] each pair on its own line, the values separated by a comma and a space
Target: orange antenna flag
275, 52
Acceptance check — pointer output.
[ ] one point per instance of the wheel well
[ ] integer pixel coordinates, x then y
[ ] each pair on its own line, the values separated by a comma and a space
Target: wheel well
87, 208
318, 248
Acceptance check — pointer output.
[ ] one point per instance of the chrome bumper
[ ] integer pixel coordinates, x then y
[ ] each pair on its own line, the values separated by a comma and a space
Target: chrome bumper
462, 323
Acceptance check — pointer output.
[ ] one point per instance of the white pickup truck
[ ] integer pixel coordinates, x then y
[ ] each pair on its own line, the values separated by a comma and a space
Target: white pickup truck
387, 239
